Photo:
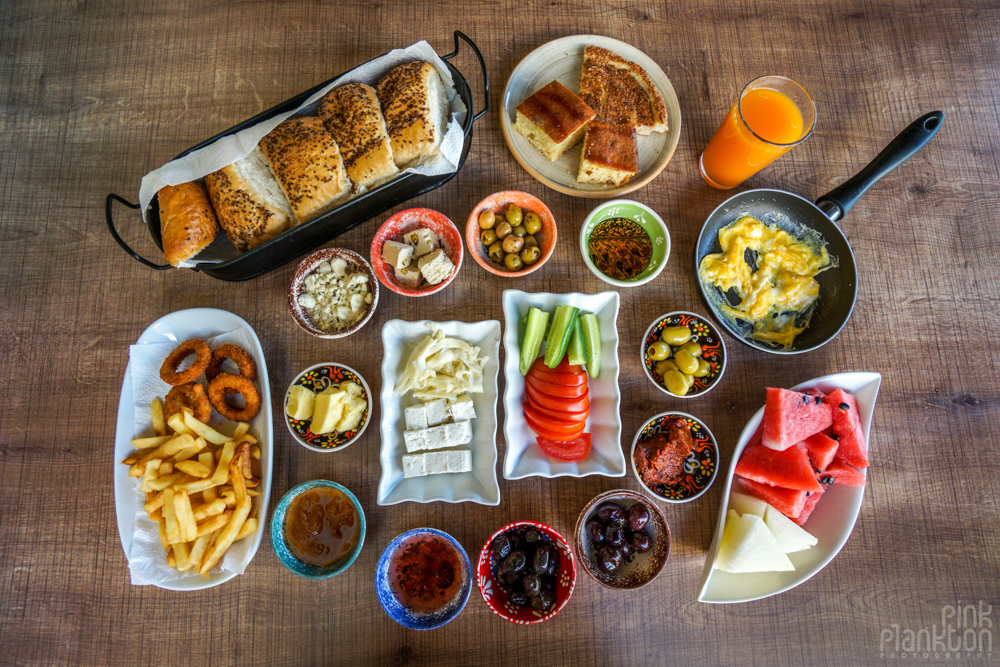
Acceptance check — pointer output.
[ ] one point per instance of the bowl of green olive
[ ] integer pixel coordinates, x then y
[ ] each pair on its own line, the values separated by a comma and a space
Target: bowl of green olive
511, 233
683, 354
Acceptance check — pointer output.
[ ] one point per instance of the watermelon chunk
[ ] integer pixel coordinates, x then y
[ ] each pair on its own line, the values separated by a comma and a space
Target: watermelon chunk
808, 508
789, 468
790, 417
839, 472
817, 393
787, 501
847, 428
822, 448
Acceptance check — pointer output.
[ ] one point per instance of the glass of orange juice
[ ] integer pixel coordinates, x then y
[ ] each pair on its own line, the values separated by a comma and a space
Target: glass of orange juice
773, 114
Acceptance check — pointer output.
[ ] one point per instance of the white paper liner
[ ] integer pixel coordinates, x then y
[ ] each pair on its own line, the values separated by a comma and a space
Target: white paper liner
227, 150
147, 559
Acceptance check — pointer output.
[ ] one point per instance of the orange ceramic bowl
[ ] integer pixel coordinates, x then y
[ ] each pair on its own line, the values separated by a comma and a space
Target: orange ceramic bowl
395, 227
498, 203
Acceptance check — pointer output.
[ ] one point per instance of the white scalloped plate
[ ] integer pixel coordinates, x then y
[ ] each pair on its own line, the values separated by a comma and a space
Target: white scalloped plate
831, 522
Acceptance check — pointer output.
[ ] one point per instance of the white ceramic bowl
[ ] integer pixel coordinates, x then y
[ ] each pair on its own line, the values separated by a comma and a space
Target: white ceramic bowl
320, 377
642, 215
524, 458
478, 486
831, 522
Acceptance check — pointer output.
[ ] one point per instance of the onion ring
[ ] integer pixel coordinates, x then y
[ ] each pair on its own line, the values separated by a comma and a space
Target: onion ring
169, 372
191, 396
244, 361
227, 383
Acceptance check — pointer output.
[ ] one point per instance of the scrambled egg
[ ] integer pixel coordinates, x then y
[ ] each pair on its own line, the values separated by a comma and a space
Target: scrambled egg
780, 293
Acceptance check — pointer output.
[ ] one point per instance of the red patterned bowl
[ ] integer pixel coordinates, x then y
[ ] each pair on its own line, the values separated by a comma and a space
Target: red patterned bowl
395, 227
497, 598
497, 203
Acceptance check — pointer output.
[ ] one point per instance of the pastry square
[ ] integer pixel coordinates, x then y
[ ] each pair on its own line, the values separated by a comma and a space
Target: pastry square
610, 154
553, 120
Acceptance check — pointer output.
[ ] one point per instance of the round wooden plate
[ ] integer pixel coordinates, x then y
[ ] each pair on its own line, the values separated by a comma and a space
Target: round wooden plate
562, 60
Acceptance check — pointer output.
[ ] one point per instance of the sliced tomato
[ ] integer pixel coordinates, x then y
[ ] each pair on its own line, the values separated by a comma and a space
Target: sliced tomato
554, 425
560, 390
564, 415
555, 402
551, 434
568, 379
573, 450
563, 367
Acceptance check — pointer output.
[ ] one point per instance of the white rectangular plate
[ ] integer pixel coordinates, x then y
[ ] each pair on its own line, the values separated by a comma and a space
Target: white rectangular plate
479, 486
831, 522
524, 458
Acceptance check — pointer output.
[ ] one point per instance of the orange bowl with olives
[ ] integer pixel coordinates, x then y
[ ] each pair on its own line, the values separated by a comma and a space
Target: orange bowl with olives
511, 233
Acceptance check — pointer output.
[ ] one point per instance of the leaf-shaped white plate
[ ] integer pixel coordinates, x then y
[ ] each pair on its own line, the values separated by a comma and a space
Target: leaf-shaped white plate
831, 522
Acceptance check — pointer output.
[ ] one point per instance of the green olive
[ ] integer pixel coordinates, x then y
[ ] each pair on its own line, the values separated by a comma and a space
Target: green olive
663, 367
675, 336
496, 252
513, 262
513, 243
488, 237
487, 219
685, 362
514, 215
532, 223
503, 230
530, 241
530, 255
658, 351
676, 383
693, 348
519, 230
703, 369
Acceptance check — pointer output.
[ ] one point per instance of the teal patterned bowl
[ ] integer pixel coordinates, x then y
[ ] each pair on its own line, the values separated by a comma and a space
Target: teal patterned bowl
644, 217
281, 546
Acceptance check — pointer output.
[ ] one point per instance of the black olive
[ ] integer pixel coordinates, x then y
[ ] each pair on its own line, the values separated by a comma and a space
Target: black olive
531, 536
626, 549
614, 535
844, 406
595, 529
544, 601
641, 542
611, 513
520, 599
541, 561
532, 585
515, 561
609, 559
638, 516
501, 546
548, 583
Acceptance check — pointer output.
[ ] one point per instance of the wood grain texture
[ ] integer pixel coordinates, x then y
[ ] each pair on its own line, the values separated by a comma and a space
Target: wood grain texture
94, 95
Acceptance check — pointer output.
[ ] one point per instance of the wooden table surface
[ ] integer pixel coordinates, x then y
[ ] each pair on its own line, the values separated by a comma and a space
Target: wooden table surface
94, 95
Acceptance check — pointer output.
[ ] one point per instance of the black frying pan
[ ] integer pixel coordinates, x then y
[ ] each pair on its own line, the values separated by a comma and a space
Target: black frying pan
838, 286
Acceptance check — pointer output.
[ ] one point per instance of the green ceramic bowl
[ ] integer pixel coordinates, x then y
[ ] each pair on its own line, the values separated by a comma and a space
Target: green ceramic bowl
643, 216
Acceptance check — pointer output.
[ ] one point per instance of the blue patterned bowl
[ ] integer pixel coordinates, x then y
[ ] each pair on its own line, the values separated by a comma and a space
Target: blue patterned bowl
281, 546
413, 619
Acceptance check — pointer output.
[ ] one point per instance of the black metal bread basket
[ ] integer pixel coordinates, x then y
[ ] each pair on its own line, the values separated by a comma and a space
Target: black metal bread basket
306, 237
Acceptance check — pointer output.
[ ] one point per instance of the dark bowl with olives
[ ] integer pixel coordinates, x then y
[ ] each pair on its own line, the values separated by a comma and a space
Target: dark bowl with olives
526, 572
511, 233
622, 539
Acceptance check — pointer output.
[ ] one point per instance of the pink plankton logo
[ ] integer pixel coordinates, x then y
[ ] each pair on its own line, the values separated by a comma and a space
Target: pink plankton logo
965, 633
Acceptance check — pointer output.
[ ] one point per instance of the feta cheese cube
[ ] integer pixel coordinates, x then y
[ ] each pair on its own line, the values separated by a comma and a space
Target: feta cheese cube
397, 255
422, 240
414, 465
409, 277
434, 463
416, 417
437, 411
458, 433
415, 440
463, 408
459, 461
435, 267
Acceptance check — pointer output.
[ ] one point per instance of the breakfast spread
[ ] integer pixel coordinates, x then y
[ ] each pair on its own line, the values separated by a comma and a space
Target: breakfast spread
419, 259
321, 526
509, 237
334, 298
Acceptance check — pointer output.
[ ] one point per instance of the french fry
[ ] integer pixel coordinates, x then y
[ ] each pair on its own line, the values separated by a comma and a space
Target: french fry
156, 411
155, 515
163, 536
169, 448
222, 470
210, 494
150, 474
130, 460
194, 469
171, 561
176, 422
206, 510
198, 550
207, 459
170, 518
161, 483
249, 439
248, 528
204, 430
227, 535
165, 468
255, 452
253, 492
197, 485
154, 503
186, 524
229, 497
240, 430
149, 443
214, 523
181, 556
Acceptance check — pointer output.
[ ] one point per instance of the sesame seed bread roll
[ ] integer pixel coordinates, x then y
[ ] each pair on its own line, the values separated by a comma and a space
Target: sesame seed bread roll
187, 221
353, 115
415, 106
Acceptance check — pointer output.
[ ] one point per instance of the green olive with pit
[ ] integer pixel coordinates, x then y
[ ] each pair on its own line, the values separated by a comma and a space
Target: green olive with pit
658, 351
674, 336
703, 369
519, 230
513, 215
676, 383
487, 219
496, 252
532, 223
530, 241
665, 366
488, 237
530, 255
513, 262
513, 243
685, 362
693, 348
503, 230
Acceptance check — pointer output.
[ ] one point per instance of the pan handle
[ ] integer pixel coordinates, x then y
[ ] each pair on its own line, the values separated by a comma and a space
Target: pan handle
482, 63
841, 199
112, 198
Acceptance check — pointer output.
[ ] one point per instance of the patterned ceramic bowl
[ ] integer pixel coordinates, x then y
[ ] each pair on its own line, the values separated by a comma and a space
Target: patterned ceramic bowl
704, 333
700, 466
638, 569
355, 263
498, 599
316, 379
633, 218
397, 609
410, 220
286, 557
498, 203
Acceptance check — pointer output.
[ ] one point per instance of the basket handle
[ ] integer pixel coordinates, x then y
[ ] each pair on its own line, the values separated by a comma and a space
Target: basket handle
112, 198
482, 63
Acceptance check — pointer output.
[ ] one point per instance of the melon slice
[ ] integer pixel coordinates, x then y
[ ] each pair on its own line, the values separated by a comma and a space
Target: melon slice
813, 391
839, 472
789, 468
787, 501
751, 547
807, 509
787, 533
822, 448
847, 428
745, 504
790, 417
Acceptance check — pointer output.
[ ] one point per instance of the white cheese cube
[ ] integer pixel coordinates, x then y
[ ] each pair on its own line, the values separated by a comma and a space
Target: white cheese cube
422, 241
414, 465
435, 463
415, 440
436, 438
397, 255
458, 433
463, 408
437, 411
416, 417
339, 267
459, 461
436, 267
409, 277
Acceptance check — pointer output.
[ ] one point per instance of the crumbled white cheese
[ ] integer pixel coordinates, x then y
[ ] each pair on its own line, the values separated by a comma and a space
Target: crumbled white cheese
334, 298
